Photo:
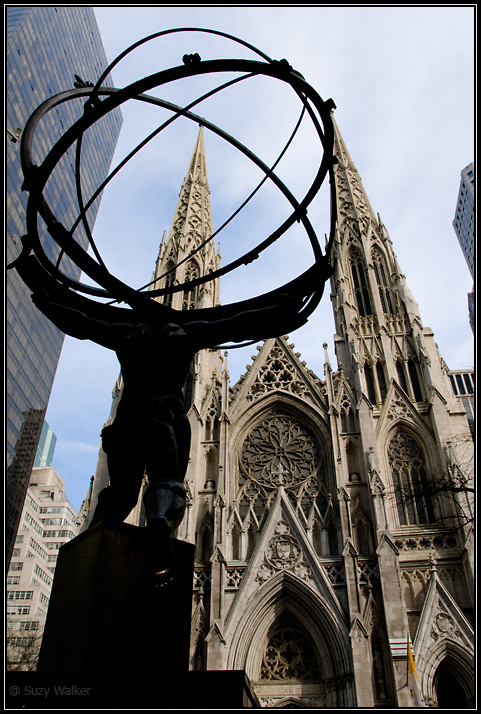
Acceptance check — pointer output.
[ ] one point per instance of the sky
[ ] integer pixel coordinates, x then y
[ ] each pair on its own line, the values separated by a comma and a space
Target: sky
402, 78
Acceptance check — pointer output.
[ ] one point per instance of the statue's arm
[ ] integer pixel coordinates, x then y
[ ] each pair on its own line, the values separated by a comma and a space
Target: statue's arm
78, 324
249, 325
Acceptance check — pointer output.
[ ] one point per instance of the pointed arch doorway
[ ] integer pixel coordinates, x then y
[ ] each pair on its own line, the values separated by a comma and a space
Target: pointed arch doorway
294, 646
450, 693
290, 674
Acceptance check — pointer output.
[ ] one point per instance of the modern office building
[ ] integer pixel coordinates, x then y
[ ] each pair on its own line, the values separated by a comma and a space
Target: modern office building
48, 520
321, 546
463, 225
463, 222
46, 46
46, 447
462, 381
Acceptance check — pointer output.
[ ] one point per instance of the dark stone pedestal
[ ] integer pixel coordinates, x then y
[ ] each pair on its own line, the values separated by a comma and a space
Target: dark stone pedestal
113, 640
105, 613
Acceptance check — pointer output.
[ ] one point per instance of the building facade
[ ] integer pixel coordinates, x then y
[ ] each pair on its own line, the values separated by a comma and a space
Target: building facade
46, 46
48, 520
463, 222
322, 546
463, 225
46, 447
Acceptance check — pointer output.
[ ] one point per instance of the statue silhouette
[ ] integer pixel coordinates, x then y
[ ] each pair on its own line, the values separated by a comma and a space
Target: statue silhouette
151, 432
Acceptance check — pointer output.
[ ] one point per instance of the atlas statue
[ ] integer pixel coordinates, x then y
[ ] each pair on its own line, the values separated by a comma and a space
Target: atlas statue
154, 343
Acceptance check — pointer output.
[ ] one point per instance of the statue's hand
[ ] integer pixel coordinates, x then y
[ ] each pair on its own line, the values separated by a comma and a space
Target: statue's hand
41, 298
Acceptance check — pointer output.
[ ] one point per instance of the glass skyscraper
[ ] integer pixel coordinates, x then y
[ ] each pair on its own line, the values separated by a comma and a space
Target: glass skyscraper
46, 47
46, 447
463, 222
463, 225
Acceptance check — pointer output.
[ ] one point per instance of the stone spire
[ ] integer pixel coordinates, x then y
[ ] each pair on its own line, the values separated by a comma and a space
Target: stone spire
191, 227
378, 325
353, 204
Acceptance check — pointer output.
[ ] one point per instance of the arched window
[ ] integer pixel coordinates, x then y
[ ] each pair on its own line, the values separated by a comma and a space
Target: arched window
290, 654
168, 282
236, 554
449, 691
381, 381
401, 376
211, 466
205, 540
379, 673
411, 486
361, 289
369, 383
251, 540
190, 296
279, 451
200, 652
382, 282
352, 457
413, 373
189, 390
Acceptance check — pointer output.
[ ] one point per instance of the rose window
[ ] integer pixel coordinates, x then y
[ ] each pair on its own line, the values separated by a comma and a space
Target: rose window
289, 655
279, 451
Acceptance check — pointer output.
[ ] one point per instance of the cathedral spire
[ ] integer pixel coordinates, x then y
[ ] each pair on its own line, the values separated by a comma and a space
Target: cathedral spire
377, 320
353, 204
183, 256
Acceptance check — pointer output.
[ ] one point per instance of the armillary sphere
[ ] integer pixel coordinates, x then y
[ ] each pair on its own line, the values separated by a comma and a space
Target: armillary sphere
39, 272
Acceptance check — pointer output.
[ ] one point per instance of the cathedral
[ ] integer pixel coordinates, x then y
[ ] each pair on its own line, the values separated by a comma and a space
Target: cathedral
324, 556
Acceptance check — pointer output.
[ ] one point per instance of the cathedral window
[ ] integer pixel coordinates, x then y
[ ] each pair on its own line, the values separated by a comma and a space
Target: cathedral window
168, 283
211, 466
189, 390
401, 376
352, 457
382, 281
381, 381
205, 540
413, 373
289, 654
380, 679
361, 289
370, 383
407, 464
278, 451
189, 298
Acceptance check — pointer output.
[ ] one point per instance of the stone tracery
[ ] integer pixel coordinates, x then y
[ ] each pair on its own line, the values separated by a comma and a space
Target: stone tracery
289, 654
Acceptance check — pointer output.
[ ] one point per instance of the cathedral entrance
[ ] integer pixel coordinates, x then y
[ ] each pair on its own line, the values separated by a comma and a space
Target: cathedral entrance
449, 692
290, 676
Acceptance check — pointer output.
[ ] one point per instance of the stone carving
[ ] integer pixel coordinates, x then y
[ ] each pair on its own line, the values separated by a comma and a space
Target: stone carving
444, 623
289, 655
277, 373
368, 571
202, 578
399, 410
335, 573
444, 541
234, 577
277, 441
283, 553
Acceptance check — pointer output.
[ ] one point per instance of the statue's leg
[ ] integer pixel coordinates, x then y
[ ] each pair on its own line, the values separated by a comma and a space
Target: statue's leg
165, 497
126, 470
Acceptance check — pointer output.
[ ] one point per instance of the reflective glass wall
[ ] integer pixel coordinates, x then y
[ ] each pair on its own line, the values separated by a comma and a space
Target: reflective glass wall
46, 47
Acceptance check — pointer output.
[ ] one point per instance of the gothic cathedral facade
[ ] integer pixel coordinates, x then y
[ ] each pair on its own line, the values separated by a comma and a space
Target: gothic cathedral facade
321, 549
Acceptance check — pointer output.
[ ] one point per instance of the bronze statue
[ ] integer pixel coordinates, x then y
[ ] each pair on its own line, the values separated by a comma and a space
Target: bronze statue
155, 344
151, 431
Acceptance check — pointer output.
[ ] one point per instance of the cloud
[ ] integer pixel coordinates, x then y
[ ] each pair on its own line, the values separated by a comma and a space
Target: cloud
75, 447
